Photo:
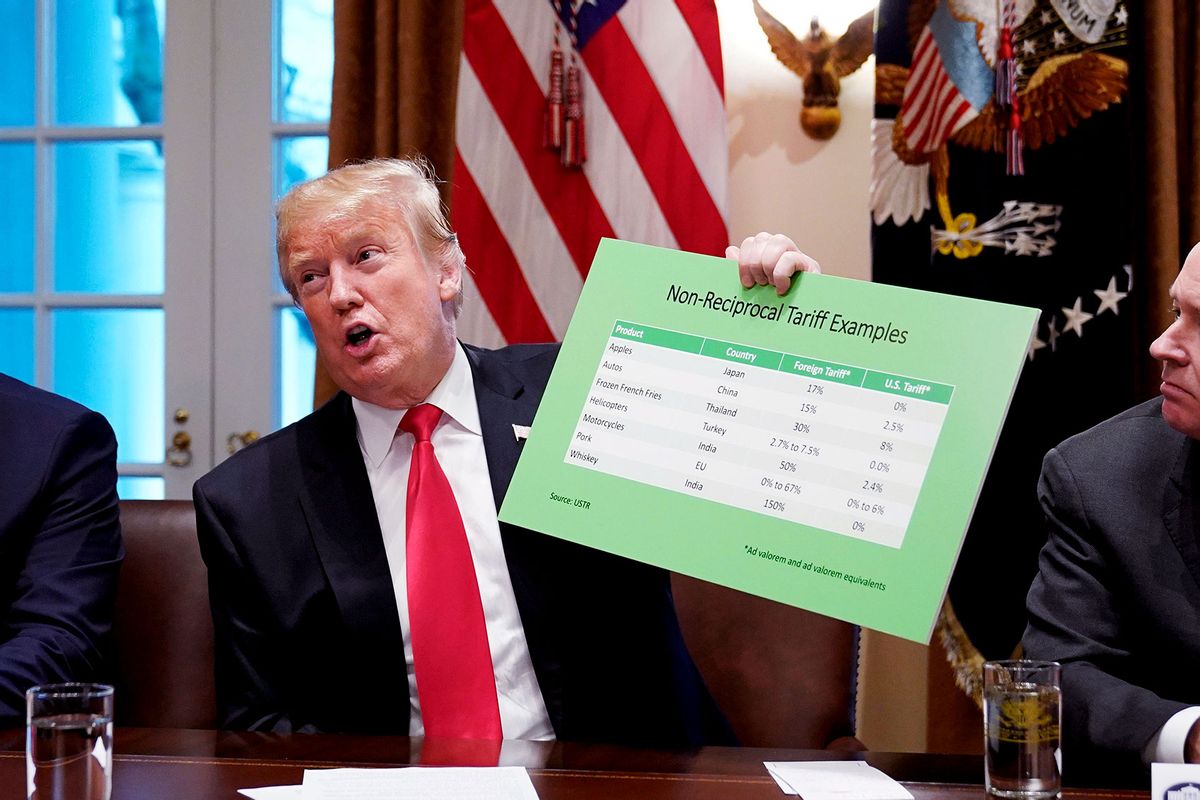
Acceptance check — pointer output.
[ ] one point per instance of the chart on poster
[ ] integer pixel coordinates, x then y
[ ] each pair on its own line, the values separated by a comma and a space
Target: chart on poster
822, 448
834, 446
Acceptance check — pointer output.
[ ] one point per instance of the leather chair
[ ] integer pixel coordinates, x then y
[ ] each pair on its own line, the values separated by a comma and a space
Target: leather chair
784, 677
163, 629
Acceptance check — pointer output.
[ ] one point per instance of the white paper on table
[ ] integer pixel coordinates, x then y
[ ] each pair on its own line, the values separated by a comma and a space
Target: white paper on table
419, 783
274, 793
1174, 780
834, 780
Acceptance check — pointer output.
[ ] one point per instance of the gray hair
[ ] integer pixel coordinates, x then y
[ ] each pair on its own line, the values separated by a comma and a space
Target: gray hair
408, 183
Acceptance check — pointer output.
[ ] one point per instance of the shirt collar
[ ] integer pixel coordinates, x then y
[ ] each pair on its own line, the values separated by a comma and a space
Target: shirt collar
454, 395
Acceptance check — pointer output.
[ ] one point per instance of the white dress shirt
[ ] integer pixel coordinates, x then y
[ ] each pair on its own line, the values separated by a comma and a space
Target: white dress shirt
458, 442
1167, 746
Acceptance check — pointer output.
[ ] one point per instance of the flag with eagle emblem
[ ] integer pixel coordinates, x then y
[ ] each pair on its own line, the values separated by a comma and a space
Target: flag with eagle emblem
1001, 154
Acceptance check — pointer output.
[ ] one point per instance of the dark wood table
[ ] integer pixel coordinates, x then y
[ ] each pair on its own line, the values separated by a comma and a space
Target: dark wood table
211, 765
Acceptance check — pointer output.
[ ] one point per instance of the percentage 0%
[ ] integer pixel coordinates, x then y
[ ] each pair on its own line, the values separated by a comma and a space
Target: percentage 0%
900, 405
881, 466
861, 527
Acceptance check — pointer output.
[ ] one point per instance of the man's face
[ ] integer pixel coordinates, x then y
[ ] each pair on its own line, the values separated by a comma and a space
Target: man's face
380, 312
1178, 348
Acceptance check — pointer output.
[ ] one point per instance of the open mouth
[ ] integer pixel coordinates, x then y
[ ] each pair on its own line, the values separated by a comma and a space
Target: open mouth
359, 334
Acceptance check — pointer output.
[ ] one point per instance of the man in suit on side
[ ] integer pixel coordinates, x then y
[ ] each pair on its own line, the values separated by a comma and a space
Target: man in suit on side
60, 542
330, 613
1117, 597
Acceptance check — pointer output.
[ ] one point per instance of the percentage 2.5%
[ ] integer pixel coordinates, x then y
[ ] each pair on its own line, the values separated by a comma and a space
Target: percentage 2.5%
892, 425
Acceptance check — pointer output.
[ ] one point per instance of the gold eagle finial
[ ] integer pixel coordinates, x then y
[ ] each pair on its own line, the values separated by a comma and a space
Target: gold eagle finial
820, 61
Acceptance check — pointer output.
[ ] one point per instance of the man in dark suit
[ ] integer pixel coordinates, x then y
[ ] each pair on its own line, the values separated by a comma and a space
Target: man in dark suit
322, 620
1117, 597
60, 541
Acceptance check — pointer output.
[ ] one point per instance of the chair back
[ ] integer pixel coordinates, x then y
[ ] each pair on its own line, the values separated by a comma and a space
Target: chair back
163, 628
784, 677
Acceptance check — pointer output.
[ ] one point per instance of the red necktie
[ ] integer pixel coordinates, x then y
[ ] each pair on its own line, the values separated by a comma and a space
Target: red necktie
455, 683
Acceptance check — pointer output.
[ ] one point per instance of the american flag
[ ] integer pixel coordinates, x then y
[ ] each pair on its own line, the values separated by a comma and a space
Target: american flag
657, 158
948, 84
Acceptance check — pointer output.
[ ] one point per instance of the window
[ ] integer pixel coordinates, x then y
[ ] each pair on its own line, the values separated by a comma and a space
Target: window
81, 152
141, 145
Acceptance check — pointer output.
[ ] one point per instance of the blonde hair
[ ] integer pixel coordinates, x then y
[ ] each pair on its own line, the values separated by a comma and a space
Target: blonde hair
408, 183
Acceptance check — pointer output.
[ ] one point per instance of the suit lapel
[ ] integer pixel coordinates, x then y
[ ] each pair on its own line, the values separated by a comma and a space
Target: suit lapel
503, 402
340, 510
1179, 512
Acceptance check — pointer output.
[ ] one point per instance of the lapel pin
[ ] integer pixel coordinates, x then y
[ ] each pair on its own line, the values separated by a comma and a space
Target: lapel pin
521, 432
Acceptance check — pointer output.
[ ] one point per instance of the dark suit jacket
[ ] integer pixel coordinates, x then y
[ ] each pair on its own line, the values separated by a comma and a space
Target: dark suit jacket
307, 631
1117, 597
60, 541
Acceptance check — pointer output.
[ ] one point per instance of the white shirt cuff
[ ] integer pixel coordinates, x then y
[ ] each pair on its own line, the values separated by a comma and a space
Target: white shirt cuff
1166, 746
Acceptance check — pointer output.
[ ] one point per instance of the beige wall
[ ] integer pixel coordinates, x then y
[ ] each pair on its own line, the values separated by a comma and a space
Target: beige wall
816, 192
780, 179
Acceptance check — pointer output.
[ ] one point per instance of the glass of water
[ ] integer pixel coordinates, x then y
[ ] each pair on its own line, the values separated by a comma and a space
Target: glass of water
68, 742
1022, 714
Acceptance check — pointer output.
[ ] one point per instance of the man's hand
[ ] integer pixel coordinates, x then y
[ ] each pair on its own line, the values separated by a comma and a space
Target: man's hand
770, 258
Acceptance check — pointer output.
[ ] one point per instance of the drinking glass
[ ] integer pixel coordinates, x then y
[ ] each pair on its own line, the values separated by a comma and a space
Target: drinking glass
1022, 713
68, 742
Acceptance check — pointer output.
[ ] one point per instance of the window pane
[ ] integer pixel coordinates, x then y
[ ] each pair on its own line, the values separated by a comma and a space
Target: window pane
16, 343
138, 487
17, 46
108, 217
111, 360
108, 62
305, 70
296, 368
300, 158
16, 216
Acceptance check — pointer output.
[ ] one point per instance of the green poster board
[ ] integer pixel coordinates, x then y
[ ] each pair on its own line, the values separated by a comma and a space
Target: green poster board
824, 449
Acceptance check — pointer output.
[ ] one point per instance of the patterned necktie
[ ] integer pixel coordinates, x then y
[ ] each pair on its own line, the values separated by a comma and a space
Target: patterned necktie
453, 663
